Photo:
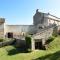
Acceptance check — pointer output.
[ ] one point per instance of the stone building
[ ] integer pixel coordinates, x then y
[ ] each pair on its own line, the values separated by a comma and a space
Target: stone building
41, 21
44, 19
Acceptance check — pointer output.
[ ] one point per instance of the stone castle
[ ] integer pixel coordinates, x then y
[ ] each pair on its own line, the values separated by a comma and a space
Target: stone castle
42, 28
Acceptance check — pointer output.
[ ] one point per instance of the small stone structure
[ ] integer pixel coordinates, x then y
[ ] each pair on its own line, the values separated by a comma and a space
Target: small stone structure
41, 37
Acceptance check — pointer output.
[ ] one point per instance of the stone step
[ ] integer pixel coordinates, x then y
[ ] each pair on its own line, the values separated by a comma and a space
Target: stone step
43, 33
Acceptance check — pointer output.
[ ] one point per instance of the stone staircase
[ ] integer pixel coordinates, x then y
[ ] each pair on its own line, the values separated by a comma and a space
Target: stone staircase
44, 33
42, 36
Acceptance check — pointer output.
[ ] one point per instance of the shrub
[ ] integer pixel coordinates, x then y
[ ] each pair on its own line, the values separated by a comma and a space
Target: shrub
28, 42
50, 39
1, 40
55, 31
59, 32
55, 34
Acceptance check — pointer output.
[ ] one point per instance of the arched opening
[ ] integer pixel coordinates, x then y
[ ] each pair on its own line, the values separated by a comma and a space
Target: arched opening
10, 35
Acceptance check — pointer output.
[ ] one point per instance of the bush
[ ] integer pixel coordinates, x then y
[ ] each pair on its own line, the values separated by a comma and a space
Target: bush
28, 42
55, 31
50, 39
1, 40
59, 32
55, 34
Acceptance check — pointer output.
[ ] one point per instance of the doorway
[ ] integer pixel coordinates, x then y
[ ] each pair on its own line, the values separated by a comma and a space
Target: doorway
38, 45
10, 35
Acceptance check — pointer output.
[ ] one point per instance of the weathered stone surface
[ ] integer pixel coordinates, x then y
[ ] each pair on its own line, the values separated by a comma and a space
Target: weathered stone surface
20, 43
33, 44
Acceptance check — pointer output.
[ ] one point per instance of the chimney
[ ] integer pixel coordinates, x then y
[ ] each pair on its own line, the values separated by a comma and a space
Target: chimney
37, 10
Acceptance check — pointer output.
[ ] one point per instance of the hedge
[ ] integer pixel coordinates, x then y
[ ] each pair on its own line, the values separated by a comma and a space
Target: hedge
28, 42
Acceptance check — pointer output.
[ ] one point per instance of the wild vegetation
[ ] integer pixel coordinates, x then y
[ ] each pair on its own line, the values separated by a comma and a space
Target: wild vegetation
13, 53
28, 43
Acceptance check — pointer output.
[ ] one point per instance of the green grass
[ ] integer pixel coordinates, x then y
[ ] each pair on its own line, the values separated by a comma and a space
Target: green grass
53, 52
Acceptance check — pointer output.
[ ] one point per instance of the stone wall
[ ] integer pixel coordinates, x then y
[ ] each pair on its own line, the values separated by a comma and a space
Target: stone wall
43, 33
19, 30
45, 19
6, 43
2, 21
1, 30
38, 18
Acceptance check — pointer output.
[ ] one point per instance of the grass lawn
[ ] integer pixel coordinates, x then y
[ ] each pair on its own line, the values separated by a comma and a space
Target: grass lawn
53, 52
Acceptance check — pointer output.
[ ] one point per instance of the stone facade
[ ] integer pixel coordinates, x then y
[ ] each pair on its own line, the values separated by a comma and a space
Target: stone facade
45, 19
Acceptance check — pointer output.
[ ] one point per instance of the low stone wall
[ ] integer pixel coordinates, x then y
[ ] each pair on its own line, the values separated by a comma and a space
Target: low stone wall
20, 43
5, 43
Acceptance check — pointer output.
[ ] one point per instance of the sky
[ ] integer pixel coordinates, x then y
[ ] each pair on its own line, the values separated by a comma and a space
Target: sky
22, 11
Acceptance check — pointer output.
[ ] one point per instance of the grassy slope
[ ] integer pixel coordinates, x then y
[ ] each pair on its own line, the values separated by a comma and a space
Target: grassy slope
53, 53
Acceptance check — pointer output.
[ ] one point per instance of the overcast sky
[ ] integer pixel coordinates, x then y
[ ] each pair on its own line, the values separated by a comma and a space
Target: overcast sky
22, 11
